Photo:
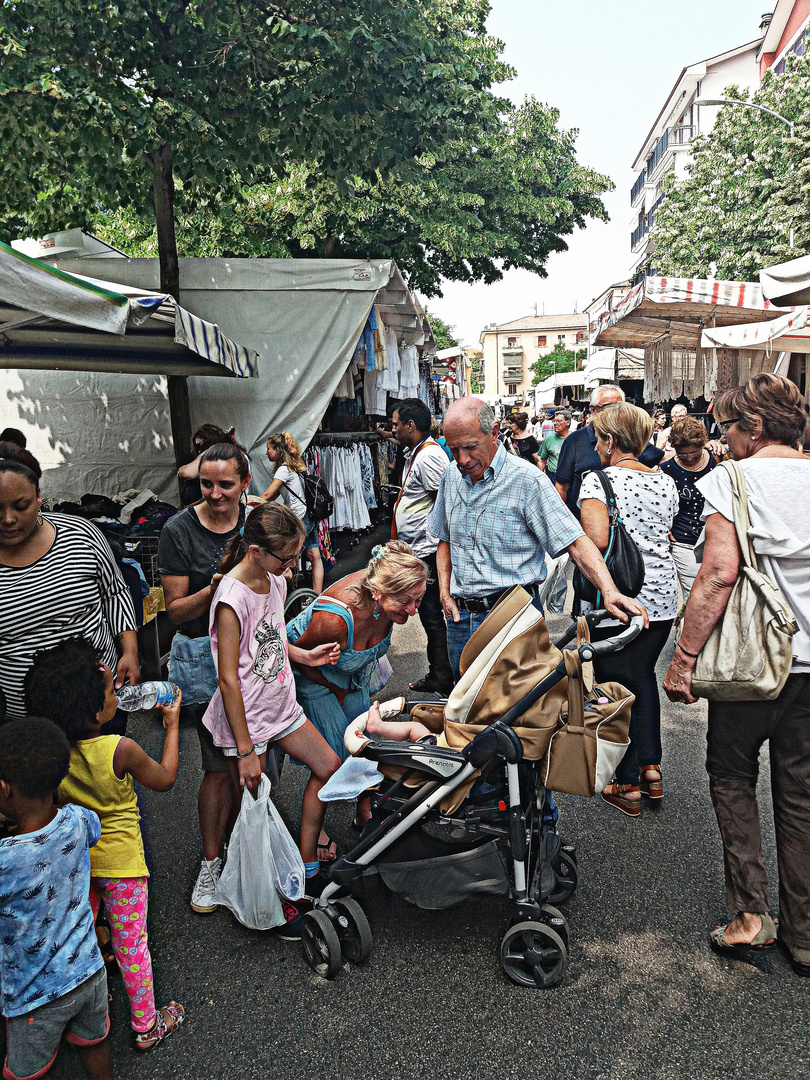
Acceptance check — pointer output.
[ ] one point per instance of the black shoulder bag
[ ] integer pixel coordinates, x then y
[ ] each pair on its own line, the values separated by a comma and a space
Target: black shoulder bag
622, 557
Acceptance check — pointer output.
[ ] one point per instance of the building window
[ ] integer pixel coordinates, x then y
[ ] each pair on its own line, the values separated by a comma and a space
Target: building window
511, 389
560, 339
580, 336
541, 340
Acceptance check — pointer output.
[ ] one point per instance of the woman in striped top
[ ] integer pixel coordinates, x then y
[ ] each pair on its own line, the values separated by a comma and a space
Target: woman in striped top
58, 580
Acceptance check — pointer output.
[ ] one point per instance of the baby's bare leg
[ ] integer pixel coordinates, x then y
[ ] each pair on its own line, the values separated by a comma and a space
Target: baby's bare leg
399, 731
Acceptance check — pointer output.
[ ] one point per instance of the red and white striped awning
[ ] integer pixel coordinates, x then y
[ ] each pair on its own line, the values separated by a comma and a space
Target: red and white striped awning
680, 308
788, 333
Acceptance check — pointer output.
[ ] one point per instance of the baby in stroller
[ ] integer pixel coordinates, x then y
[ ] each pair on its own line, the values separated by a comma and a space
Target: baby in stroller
457, 810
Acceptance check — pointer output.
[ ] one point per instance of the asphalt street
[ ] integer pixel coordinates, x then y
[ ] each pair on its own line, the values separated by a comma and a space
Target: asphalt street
644, 998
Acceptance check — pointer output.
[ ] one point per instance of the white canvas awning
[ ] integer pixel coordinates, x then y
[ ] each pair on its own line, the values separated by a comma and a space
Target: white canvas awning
56, 320
787, 283
788, 333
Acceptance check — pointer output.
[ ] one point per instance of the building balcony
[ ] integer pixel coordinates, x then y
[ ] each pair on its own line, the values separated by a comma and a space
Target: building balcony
638, 187
512, 374
637, 235
512, 350
657, 154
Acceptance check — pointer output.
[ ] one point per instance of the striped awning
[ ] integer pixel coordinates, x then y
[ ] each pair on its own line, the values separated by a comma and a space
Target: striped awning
679, 309
36, 299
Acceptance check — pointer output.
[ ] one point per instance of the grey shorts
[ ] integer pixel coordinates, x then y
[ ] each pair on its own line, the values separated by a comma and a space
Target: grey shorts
213, 759
33, 1038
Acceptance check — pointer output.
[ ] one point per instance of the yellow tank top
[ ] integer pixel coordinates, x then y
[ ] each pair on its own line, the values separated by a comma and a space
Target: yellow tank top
91, 782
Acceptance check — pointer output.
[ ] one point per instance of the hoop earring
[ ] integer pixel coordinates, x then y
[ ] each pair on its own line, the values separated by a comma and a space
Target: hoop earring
40, 518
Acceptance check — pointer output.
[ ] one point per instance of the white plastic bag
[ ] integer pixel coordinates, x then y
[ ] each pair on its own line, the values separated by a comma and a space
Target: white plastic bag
381, 672
248, 882
288, 867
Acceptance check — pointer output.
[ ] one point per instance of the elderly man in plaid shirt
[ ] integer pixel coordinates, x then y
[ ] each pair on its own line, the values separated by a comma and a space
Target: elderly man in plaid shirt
495, 517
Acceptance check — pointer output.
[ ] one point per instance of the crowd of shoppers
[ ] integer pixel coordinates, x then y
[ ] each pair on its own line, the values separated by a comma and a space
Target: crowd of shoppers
465, 529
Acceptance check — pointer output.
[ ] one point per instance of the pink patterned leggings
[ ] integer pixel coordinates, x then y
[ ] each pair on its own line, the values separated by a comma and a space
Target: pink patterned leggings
126, 901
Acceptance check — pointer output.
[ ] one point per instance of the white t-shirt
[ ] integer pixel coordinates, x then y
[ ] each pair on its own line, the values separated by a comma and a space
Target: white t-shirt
779, 510
648, 503
293, 498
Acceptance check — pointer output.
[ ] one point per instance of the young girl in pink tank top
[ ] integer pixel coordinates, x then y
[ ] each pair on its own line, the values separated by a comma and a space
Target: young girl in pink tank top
68, 684
255, 702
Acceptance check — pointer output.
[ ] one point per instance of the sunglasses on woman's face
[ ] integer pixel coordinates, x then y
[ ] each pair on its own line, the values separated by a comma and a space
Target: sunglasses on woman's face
724, 425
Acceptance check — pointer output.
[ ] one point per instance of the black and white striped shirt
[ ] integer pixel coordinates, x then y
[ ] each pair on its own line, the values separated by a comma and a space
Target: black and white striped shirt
74, 590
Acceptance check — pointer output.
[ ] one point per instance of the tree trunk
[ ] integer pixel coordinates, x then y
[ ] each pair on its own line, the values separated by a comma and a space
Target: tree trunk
329, 245
161, 161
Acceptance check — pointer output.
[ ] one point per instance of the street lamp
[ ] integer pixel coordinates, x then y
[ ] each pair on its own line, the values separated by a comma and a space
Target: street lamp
759, 108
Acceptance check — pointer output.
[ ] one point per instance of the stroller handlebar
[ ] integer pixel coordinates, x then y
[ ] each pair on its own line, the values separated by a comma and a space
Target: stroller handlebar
614, 644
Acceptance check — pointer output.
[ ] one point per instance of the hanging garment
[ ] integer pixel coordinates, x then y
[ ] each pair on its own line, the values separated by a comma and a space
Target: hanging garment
391, 377
409, 371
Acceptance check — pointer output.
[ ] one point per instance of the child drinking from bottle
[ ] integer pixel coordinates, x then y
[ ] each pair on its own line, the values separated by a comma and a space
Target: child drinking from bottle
255, 703
70, 686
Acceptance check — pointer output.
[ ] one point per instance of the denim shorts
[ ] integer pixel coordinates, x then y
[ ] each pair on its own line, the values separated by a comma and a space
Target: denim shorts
311, 540
191, 667
34, 1037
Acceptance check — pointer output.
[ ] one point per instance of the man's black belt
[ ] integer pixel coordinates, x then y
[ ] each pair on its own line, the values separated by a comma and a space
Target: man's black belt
477, 604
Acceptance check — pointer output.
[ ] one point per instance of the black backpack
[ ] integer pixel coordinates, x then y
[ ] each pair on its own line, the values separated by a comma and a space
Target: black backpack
317, 497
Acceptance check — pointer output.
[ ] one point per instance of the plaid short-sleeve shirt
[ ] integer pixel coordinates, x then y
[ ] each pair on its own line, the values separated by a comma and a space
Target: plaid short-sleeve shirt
500, 528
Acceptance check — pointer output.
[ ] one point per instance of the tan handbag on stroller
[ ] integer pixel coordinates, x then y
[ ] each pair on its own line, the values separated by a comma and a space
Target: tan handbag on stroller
589, 744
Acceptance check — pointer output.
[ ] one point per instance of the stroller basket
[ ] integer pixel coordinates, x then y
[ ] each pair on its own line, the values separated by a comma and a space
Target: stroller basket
446, 879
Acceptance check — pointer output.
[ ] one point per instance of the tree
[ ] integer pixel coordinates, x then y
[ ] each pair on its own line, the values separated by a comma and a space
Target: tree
113, 103
747, 183
491, 199
443, 334
559, 359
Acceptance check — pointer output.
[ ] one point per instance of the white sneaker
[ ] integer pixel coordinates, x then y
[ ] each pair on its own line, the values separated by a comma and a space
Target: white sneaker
202, 896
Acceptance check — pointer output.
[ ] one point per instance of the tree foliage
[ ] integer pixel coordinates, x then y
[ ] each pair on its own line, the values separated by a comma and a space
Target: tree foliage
559, 359
487, 201
747, 183
108, 103
443, 334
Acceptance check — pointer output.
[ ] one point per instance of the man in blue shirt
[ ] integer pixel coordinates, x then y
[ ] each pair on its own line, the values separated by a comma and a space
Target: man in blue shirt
578, 453
495, 516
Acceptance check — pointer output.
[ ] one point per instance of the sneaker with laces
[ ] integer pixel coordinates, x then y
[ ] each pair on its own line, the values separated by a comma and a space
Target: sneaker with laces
290, 929
202, 895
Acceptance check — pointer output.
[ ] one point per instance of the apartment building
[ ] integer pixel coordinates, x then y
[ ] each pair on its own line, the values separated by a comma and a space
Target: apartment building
510, 348
667, 146
787, 30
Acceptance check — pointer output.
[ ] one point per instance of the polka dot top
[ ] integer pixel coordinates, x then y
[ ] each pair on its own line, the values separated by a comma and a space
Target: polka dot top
648, 503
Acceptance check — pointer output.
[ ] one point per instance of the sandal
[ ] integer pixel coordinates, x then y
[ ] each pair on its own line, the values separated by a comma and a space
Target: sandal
616, 795
764, 939
168, 1019
327, 852
651, 787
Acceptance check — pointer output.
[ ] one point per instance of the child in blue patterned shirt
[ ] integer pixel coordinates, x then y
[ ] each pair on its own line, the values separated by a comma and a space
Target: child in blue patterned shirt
52, 979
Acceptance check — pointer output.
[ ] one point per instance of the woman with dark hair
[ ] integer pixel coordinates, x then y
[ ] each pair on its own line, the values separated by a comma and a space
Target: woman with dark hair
692, 461
58, 579
192, 544
288, 482
520, 440
763, 421
205, 436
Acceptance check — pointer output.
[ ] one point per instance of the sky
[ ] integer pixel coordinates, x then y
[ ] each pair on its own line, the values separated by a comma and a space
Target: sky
608, 66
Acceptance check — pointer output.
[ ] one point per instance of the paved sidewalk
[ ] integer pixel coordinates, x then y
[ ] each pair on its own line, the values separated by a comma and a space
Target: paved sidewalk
644, 997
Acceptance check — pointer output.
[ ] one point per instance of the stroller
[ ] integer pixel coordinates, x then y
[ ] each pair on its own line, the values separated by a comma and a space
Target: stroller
470, 816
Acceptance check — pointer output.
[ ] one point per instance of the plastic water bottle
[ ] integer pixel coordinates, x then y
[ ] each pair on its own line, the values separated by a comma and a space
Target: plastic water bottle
146, 695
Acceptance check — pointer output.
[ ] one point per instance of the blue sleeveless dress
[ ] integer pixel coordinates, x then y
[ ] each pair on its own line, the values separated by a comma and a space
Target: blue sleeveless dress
352, 672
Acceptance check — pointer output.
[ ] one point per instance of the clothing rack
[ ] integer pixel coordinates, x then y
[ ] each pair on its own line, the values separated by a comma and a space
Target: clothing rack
340, 438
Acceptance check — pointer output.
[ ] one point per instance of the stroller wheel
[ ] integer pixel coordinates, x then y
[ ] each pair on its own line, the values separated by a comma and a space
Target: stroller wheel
353, 930
533, 955
566, 878
554, 918
321, 944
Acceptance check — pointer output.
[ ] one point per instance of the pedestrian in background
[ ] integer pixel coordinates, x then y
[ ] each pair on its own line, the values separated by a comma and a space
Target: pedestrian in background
552, 444
691, 462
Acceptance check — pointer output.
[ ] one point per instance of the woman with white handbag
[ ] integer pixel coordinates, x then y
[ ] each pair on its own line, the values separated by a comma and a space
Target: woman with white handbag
766, 694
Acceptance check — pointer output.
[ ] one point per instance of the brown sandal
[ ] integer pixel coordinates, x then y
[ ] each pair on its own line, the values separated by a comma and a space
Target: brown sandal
652, 788
616, 795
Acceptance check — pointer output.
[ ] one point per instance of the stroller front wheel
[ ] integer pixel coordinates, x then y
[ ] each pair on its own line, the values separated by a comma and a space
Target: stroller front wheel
321, 944
353, 929
533, 955
566, 878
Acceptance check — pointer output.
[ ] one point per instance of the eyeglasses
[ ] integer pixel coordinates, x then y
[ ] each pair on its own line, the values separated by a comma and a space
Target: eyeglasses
278, 558
725, 424
600, 408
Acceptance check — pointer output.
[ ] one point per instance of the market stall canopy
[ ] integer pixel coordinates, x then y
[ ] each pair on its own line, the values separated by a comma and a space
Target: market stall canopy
50, 319
787, 283
679, 308
788, 333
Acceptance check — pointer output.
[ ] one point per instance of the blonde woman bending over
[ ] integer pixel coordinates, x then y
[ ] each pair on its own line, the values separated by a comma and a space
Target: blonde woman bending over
288, 482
